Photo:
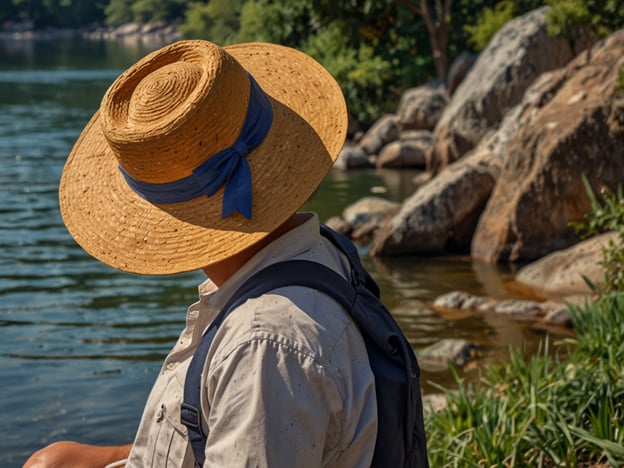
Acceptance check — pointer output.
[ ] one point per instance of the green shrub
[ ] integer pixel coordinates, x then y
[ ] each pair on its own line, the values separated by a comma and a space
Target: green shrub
606, 214
562, 408
489, 21
602, 16
361, 74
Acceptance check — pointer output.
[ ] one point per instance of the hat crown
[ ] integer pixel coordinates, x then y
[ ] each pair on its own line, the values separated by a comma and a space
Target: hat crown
174, 109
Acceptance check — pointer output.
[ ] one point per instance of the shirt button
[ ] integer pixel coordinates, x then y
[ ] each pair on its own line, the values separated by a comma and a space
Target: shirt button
160, 414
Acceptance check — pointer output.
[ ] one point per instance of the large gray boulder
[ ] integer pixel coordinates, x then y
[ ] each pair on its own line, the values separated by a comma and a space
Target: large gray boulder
453, 200
520, 52
575, 128
458, 70
441, 215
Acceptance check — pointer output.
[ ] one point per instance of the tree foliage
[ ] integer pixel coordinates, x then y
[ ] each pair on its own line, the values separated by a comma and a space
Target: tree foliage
375, 48
218, 21
143, 11
488, 23
603, 16
59, 13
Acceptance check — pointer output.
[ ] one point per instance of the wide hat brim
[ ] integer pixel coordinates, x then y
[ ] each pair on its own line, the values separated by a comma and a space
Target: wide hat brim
121, 229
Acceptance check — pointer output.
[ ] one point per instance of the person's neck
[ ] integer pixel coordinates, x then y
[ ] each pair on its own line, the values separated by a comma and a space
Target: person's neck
221, 271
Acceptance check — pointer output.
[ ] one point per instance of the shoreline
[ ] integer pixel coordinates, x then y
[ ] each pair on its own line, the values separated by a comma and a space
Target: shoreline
160, 31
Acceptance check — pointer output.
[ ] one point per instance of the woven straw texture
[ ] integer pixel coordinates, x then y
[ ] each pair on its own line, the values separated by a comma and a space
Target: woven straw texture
166, 115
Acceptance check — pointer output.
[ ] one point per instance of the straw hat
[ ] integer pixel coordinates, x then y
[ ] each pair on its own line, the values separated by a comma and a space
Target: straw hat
171, 113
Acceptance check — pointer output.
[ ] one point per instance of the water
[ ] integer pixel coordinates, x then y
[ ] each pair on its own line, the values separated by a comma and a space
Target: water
80, 343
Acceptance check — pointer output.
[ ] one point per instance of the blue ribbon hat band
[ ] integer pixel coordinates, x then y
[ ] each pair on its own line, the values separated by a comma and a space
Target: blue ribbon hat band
228, 167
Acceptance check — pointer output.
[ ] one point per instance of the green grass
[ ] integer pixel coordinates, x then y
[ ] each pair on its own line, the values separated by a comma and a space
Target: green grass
562, 408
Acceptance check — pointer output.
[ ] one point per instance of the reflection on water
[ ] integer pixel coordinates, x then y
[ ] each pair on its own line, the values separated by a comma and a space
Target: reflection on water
81, 343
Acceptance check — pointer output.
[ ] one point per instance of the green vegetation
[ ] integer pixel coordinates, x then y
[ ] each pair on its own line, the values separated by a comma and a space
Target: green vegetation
561, 409
607, 214
376, 49
489, 22
602, 16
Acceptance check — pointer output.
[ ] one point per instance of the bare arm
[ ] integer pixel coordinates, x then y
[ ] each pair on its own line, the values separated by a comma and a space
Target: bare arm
65, 453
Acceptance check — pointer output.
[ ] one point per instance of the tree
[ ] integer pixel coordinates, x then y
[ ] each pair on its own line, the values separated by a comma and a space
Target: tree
155, 10
437, 22
280, 21
118, 11
217, 21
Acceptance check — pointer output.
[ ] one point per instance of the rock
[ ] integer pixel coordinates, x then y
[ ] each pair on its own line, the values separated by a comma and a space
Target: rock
384, 131
152, 35
459, 300
411, 152
459, 352
354, 128
518, 308
127, 29
434, 402
421, 107
486, 158
365, 215
561, 272
491, 150
556, 313
351, 156
440, 216
514, 58
459, 69
576, 128
339, 225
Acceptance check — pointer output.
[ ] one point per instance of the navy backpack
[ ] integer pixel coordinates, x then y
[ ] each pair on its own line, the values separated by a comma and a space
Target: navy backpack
401, 432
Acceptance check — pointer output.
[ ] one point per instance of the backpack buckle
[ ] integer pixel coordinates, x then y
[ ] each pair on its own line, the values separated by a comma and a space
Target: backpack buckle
356, 278
190, 415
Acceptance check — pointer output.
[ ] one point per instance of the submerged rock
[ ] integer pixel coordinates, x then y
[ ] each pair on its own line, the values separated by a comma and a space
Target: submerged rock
544, 312
457, 351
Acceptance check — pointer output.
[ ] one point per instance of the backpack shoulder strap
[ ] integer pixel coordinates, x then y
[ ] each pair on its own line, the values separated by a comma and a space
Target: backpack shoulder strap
288, 273
358, 272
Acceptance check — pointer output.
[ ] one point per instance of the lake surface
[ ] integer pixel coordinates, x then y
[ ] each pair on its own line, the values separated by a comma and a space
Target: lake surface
81, 343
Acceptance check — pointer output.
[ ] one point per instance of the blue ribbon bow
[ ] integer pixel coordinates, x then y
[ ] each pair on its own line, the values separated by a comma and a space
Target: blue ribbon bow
228, 167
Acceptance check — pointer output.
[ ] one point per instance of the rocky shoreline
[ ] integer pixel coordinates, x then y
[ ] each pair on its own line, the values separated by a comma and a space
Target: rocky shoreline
159, 32
504, 153
502, 144
502, 147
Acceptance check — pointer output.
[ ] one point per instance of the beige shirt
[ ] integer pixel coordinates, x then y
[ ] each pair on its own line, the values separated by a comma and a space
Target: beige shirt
282, 388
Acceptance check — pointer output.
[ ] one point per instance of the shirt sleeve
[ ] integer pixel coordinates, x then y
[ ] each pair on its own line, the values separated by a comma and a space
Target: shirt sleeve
271, 405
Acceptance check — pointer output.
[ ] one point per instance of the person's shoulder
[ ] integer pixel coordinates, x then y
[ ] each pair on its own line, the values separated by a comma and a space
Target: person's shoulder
294, 319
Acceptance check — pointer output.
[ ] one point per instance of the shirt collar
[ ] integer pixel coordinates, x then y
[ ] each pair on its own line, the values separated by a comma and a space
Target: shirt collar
294, 242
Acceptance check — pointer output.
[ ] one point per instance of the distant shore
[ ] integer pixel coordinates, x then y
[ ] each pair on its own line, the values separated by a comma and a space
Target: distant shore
160, 31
